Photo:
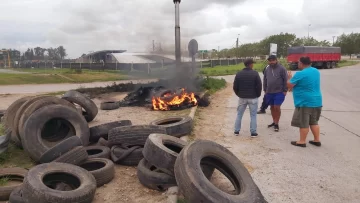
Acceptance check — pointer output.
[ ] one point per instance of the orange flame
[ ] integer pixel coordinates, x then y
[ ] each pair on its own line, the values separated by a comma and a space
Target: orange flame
176, 101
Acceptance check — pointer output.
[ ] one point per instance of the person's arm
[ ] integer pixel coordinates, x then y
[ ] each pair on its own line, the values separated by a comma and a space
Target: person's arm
265, 82
258, 85
236, 85
293, 80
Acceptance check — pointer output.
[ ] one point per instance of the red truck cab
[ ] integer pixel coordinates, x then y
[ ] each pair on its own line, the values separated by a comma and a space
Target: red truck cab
321, 57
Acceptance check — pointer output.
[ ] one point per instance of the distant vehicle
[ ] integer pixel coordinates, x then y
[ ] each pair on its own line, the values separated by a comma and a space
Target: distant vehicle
322, 57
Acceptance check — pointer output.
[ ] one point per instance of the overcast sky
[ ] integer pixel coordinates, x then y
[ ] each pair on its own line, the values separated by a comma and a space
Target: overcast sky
82, 26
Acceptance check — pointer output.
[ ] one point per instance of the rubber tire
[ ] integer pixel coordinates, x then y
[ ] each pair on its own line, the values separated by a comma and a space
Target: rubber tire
102, 175
177, 129
33, 143
161, 156
102, 131
333, 65
37, 105
36, 191
4, 141
10, 112
21, 111
60, 149
16, 196
86, 103
102, 142
135, 135
75, 156
105, 152
153, 178
109, 105
127, 156
197, 188
19, 174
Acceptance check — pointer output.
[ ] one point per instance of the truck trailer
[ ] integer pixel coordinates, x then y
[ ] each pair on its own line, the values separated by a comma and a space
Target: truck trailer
321, 57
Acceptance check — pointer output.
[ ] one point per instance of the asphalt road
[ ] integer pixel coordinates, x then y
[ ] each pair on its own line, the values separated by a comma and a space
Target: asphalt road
285, 173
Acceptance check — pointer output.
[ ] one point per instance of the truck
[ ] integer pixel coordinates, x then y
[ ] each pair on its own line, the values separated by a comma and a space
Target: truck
321, 57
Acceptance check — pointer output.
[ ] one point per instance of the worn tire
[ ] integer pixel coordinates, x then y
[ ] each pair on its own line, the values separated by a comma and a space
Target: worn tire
127, 156
16, 196
102, 169
102, 142
33, 141
196, 187
153, 178
15, 140
162, 150
86, 103
21, 111
60, 149
5, 140
2, 112
109, 105
135, 135
10, 112
75, 156
175, 126
11, 174
37, 105
98, 152
35, 190
102, 131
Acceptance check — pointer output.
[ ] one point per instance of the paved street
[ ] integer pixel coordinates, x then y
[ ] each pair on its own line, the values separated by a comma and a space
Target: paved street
285, 173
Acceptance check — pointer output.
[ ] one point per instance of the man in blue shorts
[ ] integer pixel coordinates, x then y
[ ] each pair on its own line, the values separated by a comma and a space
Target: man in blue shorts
275, 87
307, 101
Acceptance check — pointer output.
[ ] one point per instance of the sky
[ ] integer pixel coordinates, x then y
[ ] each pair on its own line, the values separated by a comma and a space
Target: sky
82, 26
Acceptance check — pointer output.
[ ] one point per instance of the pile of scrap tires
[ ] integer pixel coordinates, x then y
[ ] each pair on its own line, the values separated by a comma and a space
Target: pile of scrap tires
73, 159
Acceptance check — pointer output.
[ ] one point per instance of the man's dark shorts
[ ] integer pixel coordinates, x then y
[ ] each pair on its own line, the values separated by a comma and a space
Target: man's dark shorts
304, 117
275, 99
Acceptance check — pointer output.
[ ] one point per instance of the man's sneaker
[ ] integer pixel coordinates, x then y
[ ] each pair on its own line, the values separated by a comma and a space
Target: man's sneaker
276, 128
261, 112
236, 133
253, 135
271, 125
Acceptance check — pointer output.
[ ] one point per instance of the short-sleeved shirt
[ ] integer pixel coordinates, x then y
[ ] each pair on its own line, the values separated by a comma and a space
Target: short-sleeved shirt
307, 92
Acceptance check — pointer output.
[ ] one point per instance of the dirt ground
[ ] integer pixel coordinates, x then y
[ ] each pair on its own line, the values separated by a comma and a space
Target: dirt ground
125, 187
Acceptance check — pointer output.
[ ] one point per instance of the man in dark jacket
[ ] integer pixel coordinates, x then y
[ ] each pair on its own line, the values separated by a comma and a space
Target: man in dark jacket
248, 87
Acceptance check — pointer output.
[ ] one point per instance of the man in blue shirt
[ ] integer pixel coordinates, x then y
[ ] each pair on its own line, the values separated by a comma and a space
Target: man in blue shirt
307, 101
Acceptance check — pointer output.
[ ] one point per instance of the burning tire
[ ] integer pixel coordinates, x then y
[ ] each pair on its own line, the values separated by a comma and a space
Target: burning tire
102, 169
162, 151
98, 152
35, 141
109, 105
41, 181
12, 174
60, 149
153, 178
75, 156
57, 129
135, 135
175, 126
194, 184
90, 107
127, 156
102, 131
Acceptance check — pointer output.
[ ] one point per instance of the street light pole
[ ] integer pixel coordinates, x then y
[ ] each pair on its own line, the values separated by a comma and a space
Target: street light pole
334, 40
309, 31
177, 31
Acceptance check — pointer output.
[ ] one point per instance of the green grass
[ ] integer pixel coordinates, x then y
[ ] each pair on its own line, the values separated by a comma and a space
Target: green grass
4, 181
213, 84
15, 157
344, 63
2, 130
180, 200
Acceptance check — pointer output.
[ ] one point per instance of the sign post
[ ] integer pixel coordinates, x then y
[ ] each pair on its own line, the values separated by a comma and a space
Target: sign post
273, 49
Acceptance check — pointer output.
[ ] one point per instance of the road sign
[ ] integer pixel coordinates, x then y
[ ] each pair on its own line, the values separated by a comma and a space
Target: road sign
203, 51
273, 49
193, 47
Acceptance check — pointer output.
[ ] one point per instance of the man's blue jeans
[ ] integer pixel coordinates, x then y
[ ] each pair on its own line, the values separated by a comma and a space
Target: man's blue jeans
253, 106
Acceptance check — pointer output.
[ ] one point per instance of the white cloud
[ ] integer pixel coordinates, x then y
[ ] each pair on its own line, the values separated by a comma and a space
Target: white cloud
83, 25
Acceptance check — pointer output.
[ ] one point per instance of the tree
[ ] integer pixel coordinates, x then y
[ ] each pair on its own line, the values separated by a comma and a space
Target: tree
350, 44
62, 52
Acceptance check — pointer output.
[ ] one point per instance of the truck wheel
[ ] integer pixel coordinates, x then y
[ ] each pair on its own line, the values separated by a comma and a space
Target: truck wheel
328, 65
333, 65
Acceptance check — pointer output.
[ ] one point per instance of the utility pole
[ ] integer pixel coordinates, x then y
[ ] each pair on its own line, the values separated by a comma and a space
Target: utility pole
333, 40
237, 41
153, 45
177, 32
309, 31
